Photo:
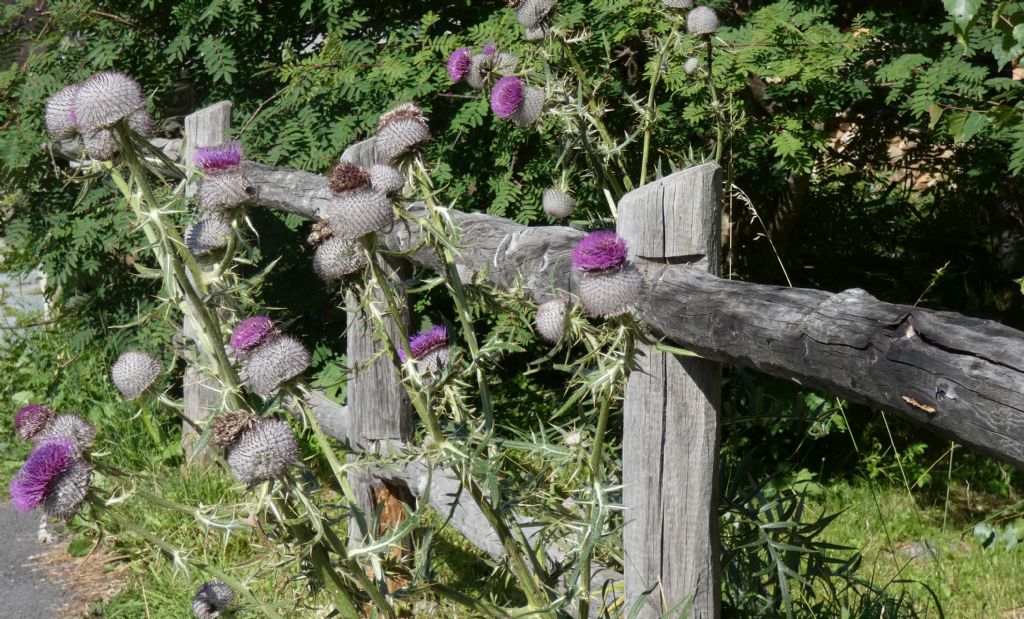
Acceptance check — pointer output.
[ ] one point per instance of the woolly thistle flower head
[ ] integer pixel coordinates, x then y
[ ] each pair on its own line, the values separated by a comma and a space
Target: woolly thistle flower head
213, 598
79, 431
250, 333
507, 96
336, 258
550, 320
399, 130
530, 110
386, 178
263, 451
458, 64
599, 251
531, 13
677, 4
220, 157
134, 372
702, 20
557, 203
225, 189
208, 235
359, 212
53, 478
691, 65
31, 419
60, 107
100, 145
609, 292
104, 99
426, 341
275, 361
226, 428
348, 177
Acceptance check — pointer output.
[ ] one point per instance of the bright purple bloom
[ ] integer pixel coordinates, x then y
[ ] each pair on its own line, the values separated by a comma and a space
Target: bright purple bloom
250, 333
29, 420
42, 468
490, 48
599, 251
222, 157
426, 341
458, 63
507, 96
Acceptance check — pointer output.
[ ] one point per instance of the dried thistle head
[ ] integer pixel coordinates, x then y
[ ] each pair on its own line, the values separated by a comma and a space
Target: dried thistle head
213, 598
406, 111
321, 232
226, 428
347, 177
31, 419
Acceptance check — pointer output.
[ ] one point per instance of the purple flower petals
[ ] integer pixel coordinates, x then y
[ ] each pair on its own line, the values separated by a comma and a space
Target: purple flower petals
44, 465
599, 251
250, 333
507, 96
221, 157
458, 63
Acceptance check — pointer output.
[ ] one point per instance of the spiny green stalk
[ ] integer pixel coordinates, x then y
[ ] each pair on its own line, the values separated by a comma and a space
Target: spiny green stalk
719, 130
651, 107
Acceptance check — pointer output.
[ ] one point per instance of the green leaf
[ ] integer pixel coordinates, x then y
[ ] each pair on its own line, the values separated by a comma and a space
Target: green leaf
963, 126
962, 11
79, 547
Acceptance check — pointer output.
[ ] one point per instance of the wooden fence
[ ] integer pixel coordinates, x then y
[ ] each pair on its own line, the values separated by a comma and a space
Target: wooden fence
957, 376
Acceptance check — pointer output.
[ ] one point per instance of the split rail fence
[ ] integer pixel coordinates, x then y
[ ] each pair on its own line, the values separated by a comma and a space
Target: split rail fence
957, 376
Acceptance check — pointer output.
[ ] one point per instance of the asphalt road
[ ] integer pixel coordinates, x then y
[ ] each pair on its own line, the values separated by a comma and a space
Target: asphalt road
24, 593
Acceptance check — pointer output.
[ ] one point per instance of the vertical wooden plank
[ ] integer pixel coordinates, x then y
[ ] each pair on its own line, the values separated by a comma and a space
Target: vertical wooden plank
206, 127
671, 409
377, 405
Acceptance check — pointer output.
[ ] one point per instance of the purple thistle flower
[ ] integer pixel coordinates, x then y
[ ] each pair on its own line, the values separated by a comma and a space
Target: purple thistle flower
250, 333
507, 96
458, 63
426, 341
599, 251
29, 420
490, 48
36, 478
221, 157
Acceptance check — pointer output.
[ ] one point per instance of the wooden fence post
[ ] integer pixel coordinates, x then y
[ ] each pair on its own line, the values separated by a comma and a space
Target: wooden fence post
378, 408
671, 434
206, 127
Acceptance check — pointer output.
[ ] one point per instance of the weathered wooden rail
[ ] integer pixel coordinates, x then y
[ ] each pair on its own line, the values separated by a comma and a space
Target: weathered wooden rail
957, 376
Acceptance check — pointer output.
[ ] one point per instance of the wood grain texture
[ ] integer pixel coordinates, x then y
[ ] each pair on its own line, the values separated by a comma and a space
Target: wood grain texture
670, 414
207, 127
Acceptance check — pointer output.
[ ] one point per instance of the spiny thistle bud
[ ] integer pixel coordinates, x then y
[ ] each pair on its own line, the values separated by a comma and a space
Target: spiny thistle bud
550, 320
31, 419
134, 372
691, 65
208, 235
399, 130
530, 13
336, 258
141, 122
702, 20
608, 286
677, 4
507, 96
60, 123
100, 145
69, 426
386, 178
274, 362
599, 251
429, 349
348, 177
458, 64
357, 213
530, 110
263, 451
557, 203
52, 478
250, 333
213, 598
226, 428
104, 99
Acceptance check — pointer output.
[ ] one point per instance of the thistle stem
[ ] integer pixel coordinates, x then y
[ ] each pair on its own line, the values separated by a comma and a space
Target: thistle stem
719, 131
651, 107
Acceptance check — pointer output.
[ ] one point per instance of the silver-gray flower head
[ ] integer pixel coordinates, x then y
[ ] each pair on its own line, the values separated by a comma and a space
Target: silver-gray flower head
434, 361
64, 497
213, 598
504, 63
337, 258
134, 372
532, 12
225, 189
60, 122
66, 425
677, 4
105, 98
702, 20
208, 235
263, 451
356, 213
536, 34
550, 320
530, 110
557, 203
141, 122
691, 64
386, 178
611, 292
479, 67
399, 130
275, 361
100, 145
